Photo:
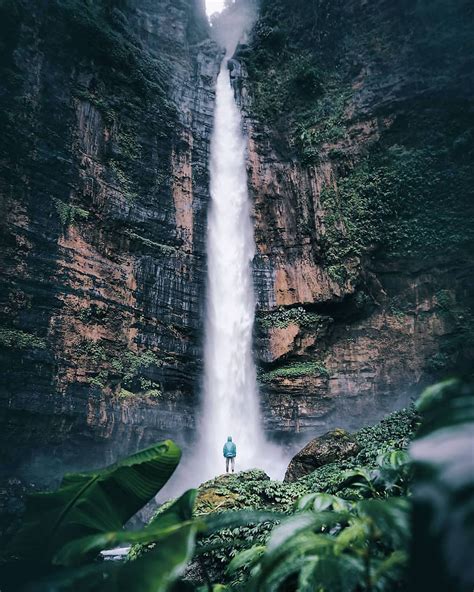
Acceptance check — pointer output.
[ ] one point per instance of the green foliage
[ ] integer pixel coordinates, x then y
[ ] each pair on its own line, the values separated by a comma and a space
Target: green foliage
176, 516
128, 368
443, 488
123, 180
334, 543
283, 317
337, 545
69, 527
68, 213
165, 249
396, 200
323, 123
96, 31
296, 369
15, 339
327, 543
393, 433
391, 476
456, 348
86, 504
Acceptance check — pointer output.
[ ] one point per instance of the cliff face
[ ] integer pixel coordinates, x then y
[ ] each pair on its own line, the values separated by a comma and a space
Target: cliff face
361, 124
361, 127
106, 113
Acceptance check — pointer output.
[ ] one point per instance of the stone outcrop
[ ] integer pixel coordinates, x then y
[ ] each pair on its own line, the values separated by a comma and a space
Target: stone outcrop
330, 447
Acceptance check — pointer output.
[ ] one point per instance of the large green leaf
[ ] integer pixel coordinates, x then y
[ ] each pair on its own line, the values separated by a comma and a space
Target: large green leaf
246, 558
331, 574
391, 517
91, 503
443, 490
175, 517
288, 558
447, 403
304, 521
156, 571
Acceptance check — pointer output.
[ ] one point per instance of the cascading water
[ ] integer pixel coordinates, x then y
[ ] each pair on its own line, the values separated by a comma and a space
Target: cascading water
230, 405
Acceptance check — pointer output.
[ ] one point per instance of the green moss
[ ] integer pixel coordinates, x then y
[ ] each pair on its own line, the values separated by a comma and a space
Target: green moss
410, 193
397, 200
322, 123
295, 370
123, 180
154, 393
283, 317
96, 30
15, 339
93, 350
165, 249
128, 369
456, 347
69, 213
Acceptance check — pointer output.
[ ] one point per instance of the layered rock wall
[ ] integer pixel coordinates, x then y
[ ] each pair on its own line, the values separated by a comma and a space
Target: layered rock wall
356, 114
107, 113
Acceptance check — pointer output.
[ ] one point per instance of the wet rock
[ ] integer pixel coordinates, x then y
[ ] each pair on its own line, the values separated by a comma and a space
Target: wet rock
103, 223
228, 492
330, 447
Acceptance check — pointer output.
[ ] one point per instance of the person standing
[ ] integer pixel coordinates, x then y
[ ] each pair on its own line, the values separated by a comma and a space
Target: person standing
230, 452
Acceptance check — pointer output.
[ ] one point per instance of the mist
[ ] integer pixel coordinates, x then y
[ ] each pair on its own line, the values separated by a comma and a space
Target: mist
233, 25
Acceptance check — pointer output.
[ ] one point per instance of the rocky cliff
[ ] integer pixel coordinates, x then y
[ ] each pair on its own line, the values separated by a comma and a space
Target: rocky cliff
361, 126
106, 112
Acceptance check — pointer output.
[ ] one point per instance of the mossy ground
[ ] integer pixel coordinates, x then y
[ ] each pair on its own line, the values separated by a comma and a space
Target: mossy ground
255, 490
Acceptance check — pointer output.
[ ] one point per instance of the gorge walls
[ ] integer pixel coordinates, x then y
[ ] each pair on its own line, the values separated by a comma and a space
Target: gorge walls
106, 114
361, 127
361, 123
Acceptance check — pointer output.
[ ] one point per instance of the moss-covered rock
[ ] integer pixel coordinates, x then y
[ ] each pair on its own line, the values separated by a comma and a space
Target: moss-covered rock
330, 447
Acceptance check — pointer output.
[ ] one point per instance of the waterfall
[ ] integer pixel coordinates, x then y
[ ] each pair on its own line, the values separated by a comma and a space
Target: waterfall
230, 399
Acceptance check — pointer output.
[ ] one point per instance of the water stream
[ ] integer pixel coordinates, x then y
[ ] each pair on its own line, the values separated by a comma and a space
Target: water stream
230, 398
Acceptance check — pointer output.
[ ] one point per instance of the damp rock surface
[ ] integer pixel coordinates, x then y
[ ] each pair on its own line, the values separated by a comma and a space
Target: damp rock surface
333, 446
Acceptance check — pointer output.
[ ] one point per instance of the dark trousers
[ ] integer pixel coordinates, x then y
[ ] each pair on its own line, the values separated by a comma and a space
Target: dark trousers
230, 460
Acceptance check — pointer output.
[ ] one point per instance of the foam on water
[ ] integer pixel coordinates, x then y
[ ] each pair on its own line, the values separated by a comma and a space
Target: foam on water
230, 397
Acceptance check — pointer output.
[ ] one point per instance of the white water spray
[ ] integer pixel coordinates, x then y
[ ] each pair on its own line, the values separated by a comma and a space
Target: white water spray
231, 403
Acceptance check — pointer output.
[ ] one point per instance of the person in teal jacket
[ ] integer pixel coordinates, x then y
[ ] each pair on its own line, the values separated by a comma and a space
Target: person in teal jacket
230, 452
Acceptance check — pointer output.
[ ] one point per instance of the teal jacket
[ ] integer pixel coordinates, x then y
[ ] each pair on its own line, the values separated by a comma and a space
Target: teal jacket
230, 449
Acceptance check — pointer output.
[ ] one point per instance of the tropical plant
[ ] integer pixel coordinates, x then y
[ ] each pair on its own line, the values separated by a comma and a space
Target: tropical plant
331, 545
86, 504
443, 490
390, 477
412, 512
64, 531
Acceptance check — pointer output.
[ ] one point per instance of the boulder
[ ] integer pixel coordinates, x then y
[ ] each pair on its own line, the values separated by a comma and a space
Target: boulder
330, 447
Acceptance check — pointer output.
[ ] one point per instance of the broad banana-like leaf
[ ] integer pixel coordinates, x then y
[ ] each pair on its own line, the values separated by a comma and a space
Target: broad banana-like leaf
447, 403
174, 518
156, 571
91, 503
246, 558
304, 521
390, 516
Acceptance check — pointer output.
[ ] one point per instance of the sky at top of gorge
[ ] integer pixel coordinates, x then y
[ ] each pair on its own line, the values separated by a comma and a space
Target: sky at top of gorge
213, 6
